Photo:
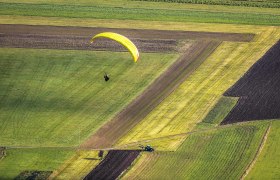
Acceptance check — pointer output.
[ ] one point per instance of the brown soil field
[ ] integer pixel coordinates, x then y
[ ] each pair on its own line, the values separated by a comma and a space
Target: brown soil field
68, 42
88, 32
259, 90
112, 131
113, 164
55, 37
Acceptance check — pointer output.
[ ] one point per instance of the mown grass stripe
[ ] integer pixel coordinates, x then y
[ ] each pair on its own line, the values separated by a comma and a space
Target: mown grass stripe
97, 12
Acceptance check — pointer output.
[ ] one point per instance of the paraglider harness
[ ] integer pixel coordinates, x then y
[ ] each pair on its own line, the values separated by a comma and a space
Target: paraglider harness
106, 77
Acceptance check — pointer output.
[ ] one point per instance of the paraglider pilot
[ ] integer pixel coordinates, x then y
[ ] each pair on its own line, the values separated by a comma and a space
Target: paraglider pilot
106, 77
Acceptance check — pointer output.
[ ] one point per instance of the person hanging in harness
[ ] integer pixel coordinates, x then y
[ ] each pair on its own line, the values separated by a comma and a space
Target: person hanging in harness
106, 77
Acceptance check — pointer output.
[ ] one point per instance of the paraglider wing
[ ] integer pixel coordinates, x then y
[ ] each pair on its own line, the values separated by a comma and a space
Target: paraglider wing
122, 40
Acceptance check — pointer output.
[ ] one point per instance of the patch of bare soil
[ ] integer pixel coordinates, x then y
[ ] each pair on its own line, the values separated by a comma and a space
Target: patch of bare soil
56, 37
130, 33
67, 42
259, 90
115, 162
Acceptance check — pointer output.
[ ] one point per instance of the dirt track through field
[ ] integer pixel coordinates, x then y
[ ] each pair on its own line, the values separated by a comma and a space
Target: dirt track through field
13, 29
113, 164
55, 37
112, 131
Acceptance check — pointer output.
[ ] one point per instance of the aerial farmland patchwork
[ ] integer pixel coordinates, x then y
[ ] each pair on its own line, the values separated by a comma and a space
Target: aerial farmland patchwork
175, 89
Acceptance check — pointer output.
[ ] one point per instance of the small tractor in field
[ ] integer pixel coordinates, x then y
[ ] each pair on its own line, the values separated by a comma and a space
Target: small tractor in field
148, 148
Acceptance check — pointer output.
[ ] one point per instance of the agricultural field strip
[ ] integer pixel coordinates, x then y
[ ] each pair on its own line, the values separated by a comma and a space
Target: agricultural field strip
209, 129
258, 90
18, 29
70, 11
125, 146
82, 43
237, 57
252, 163
24, 36
267, 163
219, 154
127, 24
251, 3
153, 5
113, 164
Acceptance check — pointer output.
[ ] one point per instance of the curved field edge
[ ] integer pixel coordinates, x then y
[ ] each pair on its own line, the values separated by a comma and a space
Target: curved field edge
267, 164
218, 153
193, 99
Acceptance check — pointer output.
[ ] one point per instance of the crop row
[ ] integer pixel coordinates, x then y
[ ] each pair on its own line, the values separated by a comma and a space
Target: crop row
263, 4
95, 12
220, 154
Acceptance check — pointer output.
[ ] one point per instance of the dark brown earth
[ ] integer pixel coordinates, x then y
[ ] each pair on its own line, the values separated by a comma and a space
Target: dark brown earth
88, 32
55, 37
113, 165
112, 131
68, 42
259, 90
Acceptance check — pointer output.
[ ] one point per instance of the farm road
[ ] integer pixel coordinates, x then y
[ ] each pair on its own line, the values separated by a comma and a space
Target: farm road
56, 37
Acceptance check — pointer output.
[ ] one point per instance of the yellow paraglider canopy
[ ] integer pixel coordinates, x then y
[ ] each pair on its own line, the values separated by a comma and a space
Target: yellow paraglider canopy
122, 40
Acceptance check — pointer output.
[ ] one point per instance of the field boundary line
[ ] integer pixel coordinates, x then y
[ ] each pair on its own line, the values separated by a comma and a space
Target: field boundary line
259, 150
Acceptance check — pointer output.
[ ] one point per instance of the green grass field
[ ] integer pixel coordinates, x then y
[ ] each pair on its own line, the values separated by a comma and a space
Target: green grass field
216, 154
19, 160
99, 12
59, 98
218, 112
267, 164
250, 3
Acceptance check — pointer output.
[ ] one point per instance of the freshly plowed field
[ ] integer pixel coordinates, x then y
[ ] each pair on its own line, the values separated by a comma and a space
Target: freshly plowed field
53, 37
258, 90
7, 29
113, 165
